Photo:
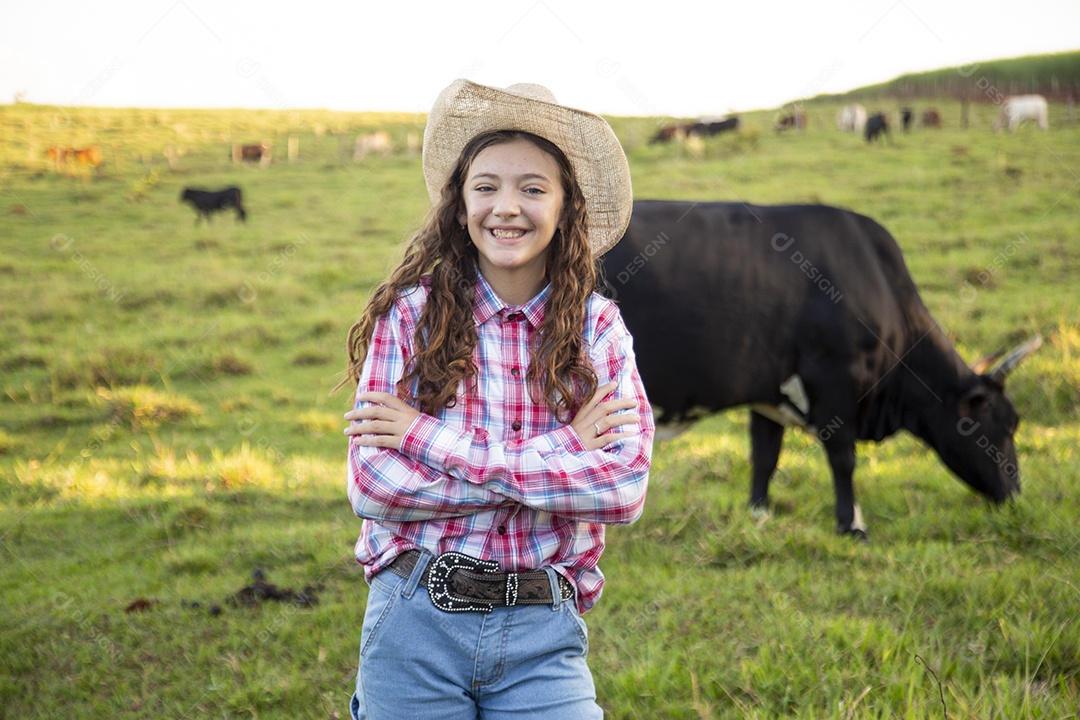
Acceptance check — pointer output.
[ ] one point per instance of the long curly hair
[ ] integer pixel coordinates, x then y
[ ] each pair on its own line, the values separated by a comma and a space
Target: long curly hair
560, 372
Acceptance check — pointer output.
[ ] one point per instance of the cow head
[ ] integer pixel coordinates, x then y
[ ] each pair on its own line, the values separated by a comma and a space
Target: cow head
981, 450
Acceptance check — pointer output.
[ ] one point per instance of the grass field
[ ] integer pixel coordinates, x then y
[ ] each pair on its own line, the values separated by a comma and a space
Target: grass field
168, 426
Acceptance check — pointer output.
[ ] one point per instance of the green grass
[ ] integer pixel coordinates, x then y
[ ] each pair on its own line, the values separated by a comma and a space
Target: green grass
167, 426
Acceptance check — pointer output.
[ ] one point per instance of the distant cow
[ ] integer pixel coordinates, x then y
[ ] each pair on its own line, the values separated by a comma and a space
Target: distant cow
931, 118
372, 143
1019, 108
852, 118
714, 126
252, 153
877, 125
795, 119
807, 314
706, 127
89, 156
208, 201
906, 117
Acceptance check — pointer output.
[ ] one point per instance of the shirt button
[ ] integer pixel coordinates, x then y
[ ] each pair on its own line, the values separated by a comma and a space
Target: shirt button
516, 425
502, 529
515, 372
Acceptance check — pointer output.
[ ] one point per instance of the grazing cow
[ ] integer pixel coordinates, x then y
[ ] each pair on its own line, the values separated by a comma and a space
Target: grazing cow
60, 157
906, 117
852, 118
88, 156
807, 314
668, 132
372, 143
931, 118
252, 153
876, 125
714, 126
796, 119
704, 127
1019, 108
208, 201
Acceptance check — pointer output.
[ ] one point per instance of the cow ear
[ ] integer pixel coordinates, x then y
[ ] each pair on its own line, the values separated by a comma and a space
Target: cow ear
973, 399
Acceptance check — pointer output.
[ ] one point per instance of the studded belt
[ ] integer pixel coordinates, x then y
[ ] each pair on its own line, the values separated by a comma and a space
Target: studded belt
459, 583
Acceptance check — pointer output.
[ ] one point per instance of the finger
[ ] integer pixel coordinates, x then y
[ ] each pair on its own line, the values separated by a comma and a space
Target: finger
384, 441
617, 405
613, 421
602, 441
375, 412
382, 398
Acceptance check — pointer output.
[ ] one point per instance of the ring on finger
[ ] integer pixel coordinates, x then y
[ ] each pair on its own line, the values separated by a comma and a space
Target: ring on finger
597, 426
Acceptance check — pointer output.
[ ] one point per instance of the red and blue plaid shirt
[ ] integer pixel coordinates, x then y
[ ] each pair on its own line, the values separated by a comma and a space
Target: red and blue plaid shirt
497, 476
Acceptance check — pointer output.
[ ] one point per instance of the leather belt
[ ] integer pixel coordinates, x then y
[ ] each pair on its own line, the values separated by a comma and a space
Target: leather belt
459, 583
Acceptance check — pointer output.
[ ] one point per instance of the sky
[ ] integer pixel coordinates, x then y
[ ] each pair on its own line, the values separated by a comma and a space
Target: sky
692, 59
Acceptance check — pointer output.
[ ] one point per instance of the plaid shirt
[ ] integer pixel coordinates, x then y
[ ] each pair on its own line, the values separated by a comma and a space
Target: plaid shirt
497, 476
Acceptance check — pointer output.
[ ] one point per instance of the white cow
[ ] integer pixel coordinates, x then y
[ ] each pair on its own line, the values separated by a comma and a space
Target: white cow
852, 118
1018, 108
372, 143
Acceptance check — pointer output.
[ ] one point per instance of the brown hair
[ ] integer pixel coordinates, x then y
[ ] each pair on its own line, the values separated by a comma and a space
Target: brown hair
445, 337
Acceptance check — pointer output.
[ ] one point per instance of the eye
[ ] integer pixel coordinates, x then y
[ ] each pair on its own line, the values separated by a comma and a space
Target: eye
535, 191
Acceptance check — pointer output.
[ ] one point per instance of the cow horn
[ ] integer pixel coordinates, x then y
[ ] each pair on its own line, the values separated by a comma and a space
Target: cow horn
1014, 358
983, 364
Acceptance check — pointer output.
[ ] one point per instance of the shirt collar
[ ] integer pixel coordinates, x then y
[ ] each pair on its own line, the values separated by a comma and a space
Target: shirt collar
487, 304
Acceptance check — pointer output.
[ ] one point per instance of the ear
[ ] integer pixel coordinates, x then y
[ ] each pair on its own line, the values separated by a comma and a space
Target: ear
463, 219
973, 399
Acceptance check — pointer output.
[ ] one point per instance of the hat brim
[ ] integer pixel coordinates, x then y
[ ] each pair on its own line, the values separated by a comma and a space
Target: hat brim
466, 109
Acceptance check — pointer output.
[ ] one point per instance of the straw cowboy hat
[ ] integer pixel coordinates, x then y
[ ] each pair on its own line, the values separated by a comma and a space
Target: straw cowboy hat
465, 109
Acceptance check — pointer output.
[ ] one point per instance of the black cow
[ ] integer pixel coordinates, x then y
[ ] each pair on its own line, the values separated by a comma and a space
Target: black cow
715, 127
806, 313
876, 125
906, 117
208, 201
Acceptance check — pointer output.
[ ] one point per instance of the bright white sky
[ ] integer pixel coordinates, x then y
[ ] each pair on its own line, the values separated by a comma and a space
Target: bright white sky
702, 57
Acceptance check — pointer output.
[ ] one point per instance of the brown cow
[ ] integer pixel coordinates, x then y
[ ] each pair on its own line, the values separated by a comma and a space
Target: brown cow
252, 153
931, 118
89, 156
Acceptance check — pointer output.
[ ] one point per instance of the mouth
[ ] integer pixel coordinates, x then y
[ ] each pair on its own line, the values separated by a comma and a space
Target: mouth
506, 233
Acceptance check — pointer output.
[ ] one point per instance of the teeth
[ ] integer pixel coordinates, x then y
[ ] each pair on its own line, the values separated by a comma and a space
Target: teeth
507, 234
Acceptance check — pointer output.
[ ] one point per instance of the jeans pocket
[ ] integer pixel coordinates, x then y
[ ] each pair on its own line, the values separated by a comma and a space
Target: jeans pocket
382, 593
568, 611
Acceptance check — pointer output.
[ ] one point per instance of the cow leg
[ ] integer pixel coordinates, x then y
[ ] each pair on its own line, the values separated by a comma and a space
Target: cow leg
841, 453
766, 438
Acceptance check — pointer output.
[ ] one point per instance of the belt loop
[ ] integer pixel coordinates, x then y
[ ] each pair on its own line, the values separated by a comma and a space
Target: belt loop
422, 560
556, 591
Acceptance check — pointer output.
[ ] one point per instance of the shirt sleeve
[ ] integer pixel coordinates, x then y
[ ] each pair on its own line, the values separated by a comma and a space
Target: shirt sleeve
553, 471
384, 484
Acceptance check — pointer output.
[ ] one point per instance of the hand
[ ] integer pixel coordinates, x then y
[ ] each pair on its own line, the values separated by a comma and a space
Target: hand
382, 424
596, 418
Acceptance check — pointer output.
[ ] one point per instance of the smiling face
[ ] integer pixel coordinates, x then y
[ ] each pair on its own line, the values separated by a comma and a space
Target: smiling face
513, 202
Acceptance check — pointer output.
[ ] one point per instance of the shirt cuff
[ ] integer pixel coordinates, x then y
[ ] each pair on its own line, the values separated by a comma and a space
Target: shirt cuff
565, 437
435, 444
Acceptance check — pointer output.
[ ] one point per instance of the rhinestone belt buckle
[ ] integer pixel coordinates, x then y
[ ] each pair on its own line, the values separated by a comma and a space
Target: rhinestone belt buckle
442, 568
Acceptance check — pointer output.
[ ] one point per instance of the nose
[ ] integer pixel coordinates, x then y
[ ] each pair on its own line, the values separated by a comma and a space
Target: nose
506, 204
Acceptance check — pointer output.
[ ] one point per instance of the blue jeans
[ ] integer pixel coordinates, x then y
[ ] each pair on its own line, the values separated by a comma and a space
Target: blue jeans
421, 663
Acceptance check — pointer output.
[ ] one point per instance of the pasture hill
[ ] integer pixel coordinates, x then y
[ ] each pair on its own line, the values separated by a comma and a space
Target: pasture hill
1056, 77
175, 539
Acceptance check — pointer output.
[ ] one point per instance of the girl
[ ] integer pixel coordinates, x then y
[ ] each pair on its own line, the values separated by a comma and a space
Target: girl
500, 422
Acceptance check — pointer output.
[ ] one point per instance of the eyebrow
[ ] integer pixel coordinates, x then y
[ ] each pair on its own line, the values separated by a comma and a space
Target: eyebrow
526, 176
